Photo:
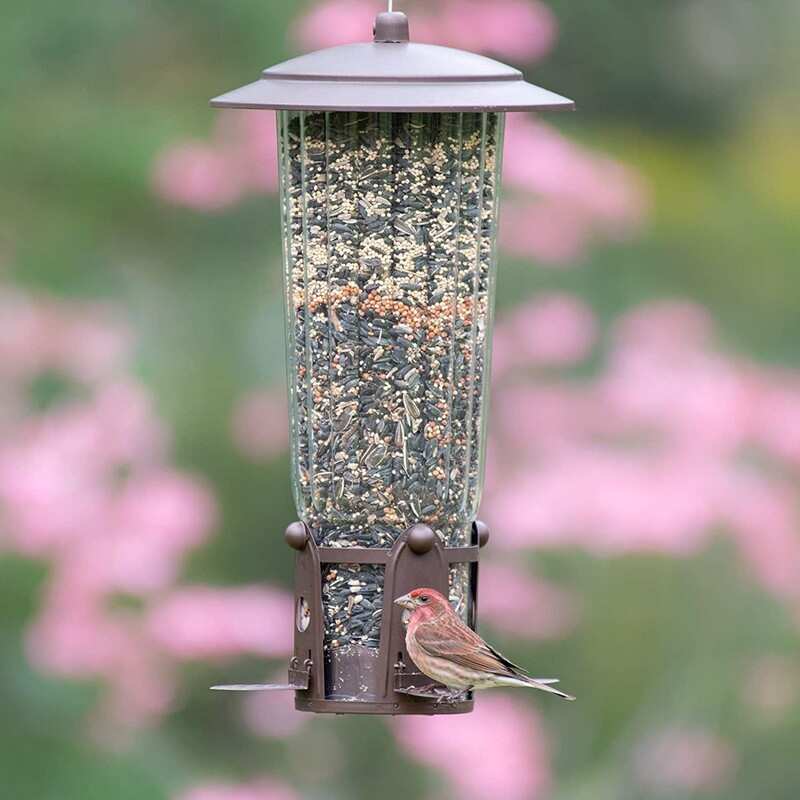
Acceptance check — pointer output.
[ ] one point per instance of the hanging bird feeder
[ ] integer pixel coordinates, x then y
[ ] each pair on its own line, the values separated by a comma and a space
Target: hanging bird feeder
390, 155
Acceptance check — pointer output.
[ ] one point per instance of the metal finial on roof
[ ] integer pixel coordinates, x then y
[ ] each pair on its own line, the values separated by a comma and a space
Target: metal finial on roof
391, 26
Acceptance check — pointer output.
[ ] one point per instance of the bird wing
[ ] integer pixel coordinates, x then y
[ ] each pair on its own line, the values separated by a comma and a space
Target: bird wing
450, 638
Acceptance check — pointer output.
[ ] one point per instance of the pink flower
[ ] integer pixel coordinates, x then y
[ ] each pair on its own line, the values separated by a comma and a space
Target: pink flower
520, 605
168, 503
240, 158
542, 161
57, 471
337, 22
541, 416
497, 751
763, 521
92, 345
202, 622
73, 636
685, 760
152, 523
567, 195
666, 326
553, 329
251, 140
50, 487
521, 30
608, 503
85, 342
263, 789
647, 457
260, 425
24, 335
198, 176
549, 232
776, 414
515, 29
77, 636
681, 395
129, 430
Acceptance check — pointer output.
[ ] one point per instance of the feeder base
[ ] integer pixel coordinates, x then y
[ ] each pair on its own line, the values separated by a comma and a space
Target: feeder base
359, 679
407, 706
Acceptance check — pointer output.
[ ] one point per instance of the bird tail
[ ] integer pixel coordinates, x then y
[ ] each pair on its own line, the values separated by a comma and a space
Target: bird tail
547, 688
544, 685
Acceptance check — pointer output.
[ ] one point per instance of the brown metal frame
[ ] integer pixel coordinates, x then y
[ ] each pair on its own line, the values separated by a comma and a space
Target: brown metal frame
423, 561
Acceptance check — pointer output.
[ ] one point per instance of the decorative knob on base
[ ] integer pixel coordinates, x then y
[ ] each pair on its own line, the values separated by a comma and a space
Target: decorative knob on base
296, 536
421, 539
482, 529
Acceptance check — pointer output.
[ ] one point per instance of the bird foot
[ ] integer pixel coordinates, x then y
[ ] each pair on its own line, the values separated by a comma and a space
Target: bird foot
450, 696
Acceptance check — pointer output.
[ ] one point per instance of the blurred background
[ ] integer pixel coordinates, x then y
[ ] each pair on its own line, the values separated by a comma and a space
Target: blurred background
644, 444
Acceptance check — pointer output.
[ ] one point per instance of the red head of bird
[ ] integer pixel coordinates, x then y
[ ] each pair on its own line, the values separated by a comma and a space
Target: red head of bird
424, 605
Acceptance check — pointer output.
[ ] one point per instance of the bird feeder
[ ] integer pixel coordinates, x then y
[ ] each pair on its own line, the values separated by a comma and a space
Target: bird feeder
390, 156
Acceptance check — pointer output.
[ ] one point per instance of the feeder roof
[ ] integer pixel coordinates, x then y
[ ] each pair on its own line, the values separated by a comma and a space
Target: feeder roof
392, 74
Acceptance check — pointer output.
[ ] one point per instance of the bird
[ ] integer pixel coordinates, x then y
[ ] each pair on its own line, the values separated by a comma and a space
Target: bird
445, 649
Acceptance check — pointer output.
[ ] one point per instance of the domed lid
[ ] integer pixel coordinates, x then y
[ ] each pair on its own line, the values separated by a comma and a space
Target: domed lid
392, 74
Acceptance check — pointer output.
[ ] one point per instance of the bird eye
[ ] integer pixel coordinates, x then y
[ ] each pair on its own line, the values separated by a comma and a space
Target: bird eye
424, 598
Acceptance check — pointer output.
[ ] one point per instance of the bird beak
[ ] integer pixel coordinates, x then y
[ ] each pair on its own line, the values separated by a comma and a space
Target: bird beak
405, 601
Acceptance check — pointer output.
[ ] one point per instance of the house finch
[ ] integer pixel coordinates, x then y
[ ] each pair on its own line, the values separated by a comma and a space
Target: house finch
445, 649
